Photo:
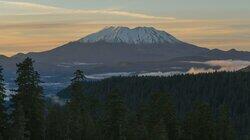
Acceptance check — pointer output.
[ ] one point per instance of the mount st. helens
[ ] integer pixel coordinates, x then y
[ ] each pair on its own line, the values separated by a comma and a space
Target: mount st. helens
119, 50
139, 35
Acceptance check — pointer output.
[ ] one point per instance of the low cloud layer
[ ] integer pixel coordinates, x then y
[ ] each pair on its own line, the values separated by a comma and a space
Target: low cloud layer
225, 65
161, 74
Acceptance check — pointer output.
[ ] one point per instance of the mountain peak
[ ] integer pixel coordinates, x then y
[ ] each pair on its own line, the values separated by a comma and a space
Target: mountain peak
138, 35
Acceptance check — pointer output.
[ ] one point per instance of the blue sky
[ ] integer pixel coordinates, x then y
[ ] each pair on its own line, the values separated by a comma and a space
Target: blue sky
38, 25
203, 9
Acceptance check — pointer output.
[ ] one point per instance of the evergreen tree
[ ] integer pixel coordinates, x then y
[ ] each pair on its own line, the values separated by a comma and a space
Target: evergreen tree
160, 131
78, 78
30, 97
80, 123
224, 129
55, 123
76, 101
162, 117
2, 107
136, 124
141, 123
115, 118
199, 124
18, 125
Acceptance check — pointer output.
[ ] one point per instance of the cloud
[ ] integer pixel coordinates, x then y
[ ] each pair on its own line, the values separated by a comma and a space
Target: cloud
200, 70
225, 65
160, 74
57, 100
27, 5
229, 65
25, 8
107, 75
129, 14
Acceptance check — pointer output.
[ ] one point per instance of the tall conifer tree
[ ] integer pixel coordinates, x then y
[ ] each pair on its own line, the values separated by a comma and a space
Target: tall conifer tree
199, 124
18, 126
162, 117
224, 128
115, 118
30, 97
80, 124
75, 119
55, 123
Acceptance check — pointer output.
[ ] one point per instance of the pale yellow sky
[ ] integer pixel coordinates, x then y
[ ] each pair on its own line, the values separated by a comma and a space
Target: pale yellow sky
28, 27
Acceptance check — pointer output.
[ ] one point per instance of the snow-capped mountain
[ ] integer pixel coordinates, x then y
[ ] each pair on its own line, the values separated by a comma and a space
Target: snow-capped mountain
118, 50
138, 35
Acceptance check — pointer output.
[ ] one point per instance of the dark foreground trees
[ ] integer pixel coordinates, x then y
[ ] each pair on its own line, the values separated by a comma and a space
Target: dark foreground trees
27, 118
224, 129
154, 119
162, 117
115, 116
80, 124
199, 124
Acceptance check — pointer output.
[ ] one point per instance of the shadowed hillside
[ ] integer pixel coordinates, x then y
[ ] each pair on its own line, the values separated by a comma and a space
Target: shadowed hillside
216, 89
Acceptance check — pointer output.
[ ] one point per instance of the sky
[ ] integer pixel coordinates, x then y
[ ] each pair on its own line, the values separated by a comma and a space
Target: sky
39, 25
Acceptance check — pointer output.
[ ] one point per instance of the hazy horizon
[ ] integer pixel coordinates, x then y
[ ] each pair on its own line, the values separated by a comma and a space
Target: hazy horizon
40, 25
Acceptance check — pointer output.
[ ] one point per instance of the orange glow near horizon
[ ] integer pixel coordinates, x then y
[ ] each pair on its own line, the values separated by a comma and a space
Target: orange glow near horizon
39, 25
35, 37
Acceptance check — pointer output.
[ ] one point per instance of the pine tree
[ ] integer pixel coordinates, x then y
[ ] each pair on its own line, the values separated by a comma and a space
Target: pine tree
75, 107
2, 107
162, 111
160, 131
141, 123
199, 124
79, 77
55, 123
224, 129
18, 125
76, 102
80, 123
115, 118
136, 128
30, 97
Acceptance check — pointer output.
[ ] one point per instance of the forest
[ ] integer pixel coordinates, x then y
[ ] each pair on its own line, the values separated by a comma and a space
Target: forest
211, 106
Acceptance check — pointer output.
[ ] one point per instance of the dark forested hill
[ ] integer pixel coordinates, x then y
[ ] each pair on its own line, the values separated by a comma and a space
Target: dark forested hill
230, 88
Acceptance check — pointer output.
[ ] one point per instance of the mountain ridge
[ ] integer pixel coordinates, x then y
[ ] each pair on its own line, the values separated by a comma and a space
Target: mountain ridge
107, 57
85, 42
94, 48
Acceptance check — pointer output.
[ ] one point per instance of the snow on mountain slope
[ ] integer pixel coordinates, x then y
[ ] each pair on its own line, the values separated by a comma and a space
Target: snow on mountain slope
139, 35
